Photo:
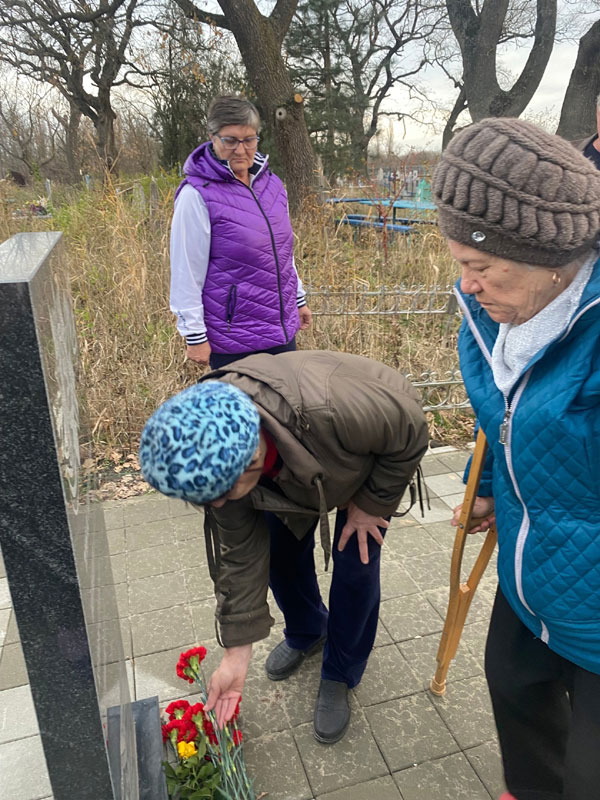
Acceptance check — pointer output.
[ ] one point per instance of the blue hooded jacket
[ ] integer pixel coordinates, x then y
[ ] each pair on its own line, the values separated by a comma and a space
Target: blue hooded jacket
545, 478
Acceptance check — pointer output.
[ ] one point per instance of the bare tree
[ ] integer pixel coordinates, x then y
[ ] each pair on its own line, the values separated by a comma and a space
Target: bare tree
29, 137
78, 46
480, 27
578, 114
349, 55
259, 39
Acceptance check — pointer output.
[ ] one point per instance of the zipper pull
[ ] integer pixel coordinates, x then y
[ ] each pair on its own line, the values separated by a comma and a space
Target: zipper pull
504, 428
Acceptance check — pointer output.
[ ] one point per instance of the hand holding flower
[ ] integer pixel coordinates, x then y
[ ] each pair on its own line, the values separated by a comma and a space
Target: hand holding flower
227, 681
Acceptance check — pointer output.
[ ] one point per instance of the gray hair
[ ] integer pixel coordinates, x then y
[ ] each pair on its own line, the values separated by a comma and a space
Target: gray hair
231, 109
598, 102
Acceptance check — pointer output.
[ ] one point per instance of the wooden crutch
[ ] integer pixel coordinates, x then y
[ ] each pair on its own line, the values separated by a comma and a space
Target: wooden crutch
461, 594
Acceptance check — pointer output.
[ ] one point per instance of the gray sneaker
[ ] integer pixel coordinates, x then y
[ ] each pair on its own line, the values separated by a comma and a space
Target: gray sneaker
283, 660
332, 711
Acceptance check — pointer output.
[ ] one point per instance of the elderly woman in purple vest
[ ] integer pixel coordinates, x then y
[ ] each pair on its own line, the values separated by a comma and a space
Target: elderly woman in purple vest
234, 285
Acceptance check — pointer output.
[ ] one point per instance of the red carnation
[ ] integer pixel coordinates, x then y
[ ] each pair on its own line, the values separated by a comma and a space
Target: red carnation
237, 736
209, 730
194, 712
177, 706
188, 666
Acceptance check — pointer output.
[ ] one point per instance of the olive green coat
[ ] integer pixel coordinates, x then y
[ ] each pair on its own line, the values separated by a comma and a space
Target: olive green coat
346, 428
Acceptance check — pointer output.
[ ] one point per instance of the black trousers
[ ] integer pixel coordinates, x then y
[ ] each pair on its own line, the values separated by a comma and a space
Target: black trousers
547, 712
218, 360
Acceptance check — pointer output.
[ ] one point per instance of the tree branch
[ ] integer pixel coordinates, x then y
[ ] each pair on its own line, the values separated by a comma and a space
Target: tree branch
191, 11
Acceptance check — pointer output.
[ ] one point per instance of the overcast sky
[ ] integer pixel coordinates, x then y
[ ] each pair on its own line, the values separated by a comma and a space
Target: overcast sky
547, 100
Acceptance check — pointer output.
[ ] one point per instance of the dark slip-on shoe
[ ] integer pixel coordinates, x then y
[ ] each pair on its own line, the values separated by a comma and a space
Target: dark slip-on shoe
332, 711
284, 660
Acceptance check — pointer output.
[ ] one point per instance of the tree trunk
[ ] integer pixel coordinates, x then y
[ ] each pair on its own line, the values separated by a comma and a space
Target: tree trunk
260, 48
478, 35
105, 132
578, 114
72, 143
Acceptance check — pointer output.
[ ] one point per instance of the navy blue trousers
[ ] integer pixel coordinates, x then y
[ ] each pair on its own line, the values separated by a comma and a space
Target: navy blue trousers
351, 622
218, 360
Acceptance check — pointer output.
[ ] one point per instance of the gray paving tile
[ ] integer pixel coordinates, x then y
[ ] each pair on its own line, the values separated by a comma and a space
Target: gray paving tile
198, 585
145, 508
193, 553
480, 608
473, 638
5, 614
449, 777
453, 500
409, 616
382, 637
149, 534
408, 542
379, 789
179, 508
448, 483
157, 591
118, 566
354, 760
188, 527
17, 719
2, 568
274, 763
442, 532
387, 676
12, 667
421, 654
116, 541
153, 561
162, 629
438, 512
115, 683
431, 465
113, 517
203, 618
396, 579
467, 711
155, 675
23, 770
278, 705
12, 632
409, 730
487, 763
456, 461
430, 571
110, 640
5, 601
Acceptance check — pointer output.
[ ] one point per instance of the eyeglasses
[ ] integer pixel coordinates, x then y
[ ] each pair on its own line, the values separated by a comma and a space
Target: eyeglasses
231, 142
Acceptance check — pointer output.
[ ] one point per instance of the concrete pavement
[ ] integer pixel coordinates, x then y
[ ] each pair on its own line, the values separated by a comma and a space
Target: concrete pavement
403, 743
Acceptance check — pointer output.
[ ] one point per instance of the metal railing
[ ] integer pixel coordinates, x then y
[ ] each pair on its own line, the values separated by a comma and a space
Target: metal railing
385, 300
439, 392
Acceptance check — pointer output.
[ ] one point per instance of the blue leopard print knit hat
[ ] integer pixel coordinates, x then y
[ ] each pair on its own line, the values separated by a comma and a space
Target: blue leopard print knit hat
198, 443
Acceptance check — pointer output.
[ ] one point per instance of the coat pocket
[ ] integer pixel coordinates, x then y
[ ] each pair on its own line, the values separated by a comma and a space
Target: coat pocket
231, 303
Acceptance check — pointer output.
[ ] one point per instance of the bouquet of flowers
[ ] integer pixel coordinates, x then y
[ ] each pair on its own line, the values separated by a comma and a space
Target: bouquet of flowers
206, 761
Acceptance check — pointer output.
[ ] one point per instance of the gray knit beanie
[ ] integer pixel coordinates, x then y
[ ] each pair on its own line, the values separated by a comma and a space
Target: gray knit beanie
509, 188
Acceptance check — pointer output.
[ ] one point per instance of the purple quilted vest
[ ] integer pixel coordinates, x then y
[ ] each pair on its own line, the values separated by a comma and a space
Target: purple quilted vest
250, 291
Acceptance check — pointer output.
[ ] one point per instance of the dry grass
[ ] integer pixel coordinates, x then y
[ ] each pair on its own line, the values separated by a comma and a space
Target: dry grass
131, 356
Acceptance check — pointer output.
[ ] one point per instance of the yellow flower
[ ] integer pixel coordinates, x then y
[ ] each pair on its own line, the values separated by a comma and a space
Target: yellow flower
186, 749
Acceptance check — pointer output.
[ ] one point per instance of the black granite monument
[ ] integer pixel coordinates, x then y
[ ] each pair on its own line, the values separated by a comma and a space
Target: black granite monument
54, 544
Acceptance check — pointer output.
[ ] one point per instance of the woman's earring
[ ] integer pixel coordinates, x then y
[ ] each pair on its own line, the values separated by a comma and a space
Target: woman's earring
556, 278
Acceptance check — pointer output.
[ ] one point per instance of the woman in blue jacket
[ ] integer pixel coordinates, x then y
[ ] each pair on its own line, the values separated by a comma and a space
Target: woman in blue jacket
521, 211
